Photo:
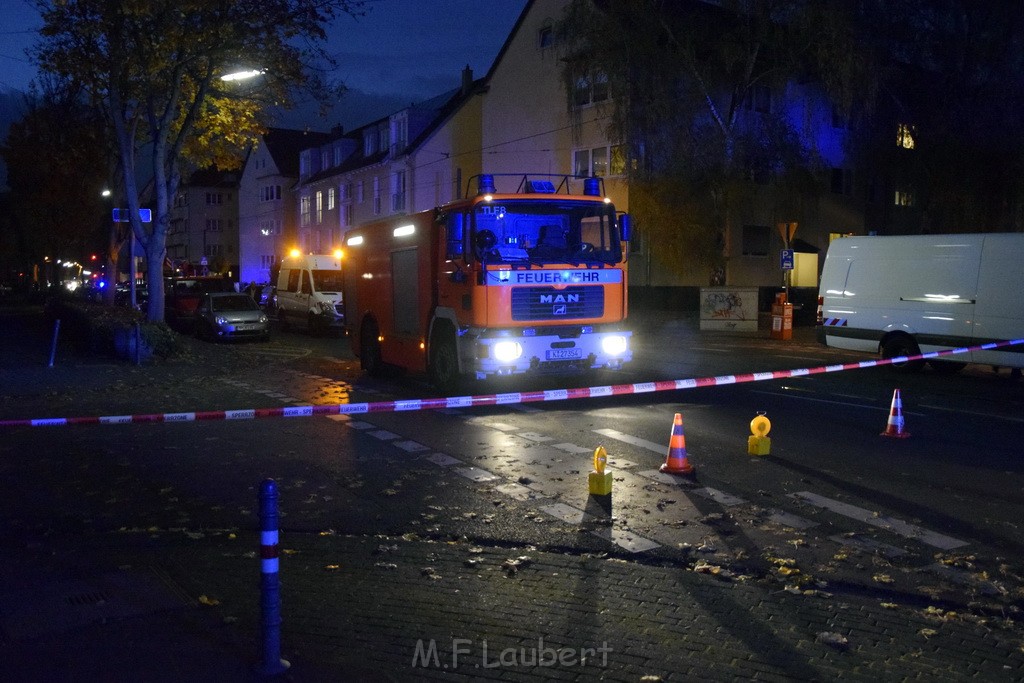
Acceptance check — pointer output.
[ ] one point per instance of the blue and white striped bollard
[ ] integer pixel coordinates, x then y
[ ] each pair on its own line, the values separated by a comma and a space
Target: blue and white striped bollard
271, 663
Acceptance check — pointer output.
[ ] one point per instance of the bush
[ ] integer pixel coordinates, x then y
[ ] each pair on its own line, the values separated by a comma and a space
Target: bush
97, 328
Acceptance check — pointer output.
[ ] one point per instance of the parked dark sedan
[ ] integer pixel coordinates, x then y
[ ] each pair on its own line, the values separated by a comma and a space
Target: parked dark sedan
228, 315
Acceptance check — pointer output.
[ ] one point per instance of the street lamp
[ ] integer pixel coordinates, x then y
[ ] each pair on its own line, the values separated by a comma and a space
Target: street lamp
242, 74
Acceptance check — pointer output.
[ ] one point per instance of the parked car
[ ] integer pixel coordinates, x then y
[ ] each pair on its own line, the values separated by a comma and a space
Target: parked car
183, 294
229, 315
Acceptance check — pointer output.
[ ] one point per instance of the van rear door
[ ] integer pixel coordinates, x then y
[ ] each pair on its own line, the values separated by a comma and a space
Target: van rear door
999, 311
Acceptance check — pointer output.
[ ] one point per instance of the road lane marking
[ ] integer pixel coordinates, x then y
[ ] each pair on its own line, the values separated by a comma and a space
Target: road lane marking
790, 520
633, 440
720, 497
897, 526
442, 459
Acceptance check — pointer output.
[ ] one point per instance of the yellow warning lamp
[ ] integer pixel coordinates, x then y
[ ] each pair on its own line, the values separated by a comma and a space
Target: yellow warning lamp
600, 480
339, 254
758, 442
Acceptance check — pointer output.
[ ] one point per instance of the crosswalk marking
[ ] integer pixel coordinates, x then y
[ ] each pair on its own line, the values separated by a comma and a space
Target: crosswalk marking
633, 440
897, 526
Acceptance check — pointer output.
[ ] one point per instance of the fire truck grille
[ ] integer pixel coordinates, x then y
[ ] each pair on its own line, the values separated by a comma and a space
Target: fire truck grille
548, 303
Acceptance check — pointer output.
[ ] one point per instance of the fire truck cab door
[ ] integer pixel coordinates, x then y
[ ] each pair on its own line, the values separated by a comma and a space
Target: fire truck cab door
454, 283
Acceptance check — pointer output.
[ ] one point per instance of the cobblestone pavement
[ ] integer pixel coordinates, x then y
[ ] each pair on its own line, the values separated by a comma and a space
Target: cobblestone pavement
80, 603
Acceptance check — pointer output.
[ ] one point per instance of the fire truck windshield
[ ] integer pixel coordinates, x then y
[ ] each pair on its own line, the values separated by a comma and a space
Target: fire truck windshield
549, 231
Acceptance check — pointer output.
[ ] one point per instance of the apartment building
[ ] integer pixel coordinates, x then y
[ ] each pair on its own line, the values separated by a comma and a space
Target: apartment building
203, 233
414, 159
267, 202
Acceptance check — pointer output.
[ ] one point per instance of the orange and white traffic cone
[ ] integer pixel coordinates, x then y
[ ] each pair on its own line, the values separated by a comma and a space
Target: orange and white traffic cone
676, 462
894, 427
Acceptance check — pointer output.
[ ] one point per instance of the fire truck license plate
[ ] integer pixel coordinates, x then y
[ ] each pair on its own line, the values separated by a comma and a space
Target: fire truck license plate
563, 354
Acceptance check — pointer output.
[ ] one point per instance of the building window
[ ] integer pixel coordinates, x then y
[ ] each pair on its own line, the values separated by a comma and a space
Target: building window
215, 225
546, 35
325, 159
369, 143
599, 161
376, 195
359, 192
398, 191
304, 209
904, 198
346, 192
590, 89
755, 240
617, 165
337, 155
319, 207
905, 136
266, 261
270, 193
304, 162
330, 199
214, 198
346, 215
599, 87
400, 133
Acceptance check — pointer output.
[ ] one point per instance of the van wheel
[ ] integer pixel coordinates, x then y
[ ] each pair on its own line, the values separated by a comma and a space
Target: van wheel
902, 345
444, 359
369, 350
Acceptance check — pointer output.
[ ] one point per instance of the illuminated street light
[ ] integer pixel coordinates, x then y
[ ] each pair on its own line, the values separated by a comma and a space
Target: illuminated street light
242, 75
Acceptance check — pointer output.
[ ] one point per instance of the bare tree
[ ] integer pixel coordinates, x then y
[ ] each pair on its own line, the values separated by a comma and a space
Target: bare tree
156, 69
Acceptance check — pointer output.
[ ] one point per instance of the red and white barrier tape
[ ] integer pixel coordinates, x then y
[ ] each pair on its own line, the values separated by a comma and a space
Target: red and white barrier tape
491, 399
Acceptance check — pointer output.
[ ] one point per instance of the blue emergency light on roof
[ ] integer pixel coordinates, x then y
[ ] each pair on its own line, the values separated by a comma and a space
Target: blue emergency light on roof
592, 187
539, 186
486, 184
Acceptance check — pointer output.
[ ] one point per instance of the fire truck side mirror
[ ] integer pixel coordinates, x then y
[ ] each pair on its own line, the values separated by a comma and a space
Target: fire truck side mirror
625, 227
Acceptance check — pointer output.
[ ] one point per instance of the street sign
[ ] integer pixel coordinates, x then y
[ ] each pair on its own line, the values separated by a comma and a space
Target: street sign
786, 231
121, 215
786, 259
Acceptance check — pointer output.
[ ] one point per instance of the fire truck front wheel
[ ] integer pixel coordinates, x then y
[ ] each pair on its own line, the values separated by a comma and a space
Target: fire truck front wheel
444, 359
369, 349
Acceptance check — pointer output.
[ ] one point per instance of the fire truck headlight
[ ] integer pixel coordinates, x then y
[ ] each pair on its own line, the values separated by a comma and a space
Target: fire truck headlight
614, 345
506, 351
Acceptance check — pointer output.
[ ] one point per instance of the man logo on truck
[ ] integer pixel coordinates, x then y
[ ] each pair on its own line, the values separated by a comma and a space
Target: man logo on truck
560, 299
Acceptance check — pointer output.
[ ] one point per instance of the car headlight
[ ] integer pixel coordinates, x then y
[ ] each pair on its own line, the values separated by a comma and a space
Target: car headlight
221, 320
264, 319
506, 351
614, 345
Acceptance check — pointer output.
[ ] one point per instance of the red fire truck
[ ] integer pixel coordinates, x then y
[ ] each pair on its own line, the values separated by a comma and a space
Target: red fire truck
532, 280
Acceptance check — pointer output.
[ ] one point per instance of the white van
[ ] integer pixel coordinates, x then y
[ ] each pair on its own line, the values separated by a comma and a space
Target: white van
903, 296
309, 292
